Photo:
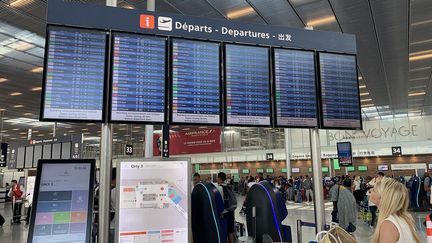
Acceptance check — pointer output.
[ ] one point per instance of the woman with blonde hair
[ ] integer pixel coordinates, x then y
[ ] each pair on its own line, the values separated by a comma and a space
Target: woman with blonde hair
395, 223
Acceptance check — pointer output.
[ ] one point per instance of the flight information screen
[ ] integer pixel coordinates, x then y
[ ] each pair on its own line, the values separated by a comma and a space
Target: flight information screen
74, 74
295, 88
138, 78
247, 85
196, 87
339, 91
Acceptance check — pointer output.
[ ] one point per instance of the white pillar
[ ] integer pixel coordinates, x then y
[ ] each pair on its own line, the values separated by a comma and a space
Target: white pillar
317, 179
288, 152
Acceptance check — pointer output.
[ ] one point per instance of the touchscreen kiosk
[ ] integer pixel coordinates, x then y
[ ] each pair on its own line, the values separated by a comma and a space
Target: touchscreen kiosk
153, 201
62, 202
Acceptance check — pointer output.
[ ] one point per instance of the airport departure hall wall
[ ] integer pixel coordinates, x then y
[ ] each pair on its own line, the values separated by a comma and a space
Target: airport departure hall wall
159, 68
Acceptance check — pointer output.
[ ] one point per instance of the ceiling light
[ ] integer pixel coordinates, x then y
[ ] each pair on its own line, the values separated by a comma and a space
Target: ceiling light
20, 3
2, 109
362, 94
422, 22
240, 12
421, 42
420, 55
321, 21
417, 79
85, 129
360, 78
18, 106
36, 89
366, 100
28, 114
37, 70
22, 133
21, 46
362, 86
419, 69
15, 129
15, 94
417, 93
40, 135
2, 80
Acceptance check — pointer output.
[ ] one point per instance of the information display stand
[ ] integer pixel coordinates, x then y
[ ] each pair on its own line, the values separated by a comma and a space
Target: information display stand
153, 201
62, 201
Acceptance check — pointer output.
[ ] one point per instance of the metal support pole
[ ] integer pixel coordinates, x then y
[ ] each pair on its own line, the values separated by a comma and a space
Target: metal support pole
1, 129
317, 179
105, 173
288, 152
54, 129
148, 141
330, 161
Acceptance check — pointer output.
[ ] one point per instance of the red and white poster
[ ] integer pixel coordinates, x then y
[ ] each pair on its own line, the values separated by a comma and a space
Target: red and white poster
193, 141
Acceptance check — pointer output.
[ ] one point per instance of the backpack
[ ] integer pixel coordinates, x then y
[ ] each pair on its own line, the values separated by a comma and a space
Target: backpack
230, 199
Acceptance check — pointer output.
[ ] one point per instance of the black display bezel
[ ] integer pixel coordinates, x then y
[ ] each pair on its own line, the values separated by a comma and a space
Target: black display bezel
171, 41
270, 80
339, 157
105, 84
322, 126
40, 165
113, 35
274, 89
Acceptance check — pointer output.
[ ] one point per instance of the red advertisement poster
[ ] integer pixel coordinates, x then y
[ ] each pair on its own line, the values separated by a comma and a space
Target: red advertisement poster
194, 141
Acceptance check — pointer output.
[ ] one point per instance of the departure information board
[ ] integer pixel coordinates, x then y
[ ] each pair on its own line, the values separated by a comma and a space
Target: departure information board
339, 91
138, 78
295, 88
196, 85
74, 74
247, 85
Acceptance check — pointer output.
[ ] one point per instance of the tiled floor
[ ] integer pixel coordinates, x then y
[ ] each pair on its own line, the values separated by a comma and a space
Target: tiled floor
18, 233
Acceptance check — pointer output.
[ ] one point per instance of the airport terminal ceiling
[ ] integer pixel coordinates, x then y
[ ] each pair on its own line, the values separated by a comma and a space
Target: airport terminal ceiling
394, 55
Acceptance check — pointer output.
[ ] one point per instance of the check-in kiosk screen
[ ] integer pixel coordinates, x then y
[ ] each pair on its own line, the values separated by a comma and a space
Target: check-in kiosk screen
247, 77
74, 74
295, 88
339, 91
62, 204
138, 78
153, 202
196, 87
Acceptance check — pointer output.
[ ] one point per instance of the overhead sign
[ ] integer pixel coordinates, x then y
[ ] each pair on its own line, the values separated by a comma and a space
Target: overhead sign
129, 149
269, 156
397, 150
408, 166
153, 189
139, 21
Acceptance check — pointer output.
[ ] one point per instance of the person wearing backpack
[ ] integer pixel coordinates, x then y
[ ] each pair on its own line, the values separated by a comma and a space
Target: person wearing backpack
425, 191
16, 193
230, 204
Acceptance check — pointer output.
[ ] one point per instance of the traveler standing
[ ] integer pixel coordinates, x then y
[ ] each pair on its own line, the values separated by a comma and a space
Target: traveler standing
307, 186
346, 207
230, 204
16, 193
356, 187
395, 223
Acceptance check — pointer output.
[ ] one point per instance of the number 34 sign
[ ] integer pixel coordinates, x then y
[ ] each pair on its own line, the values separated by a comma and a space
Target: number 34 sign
397, 150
